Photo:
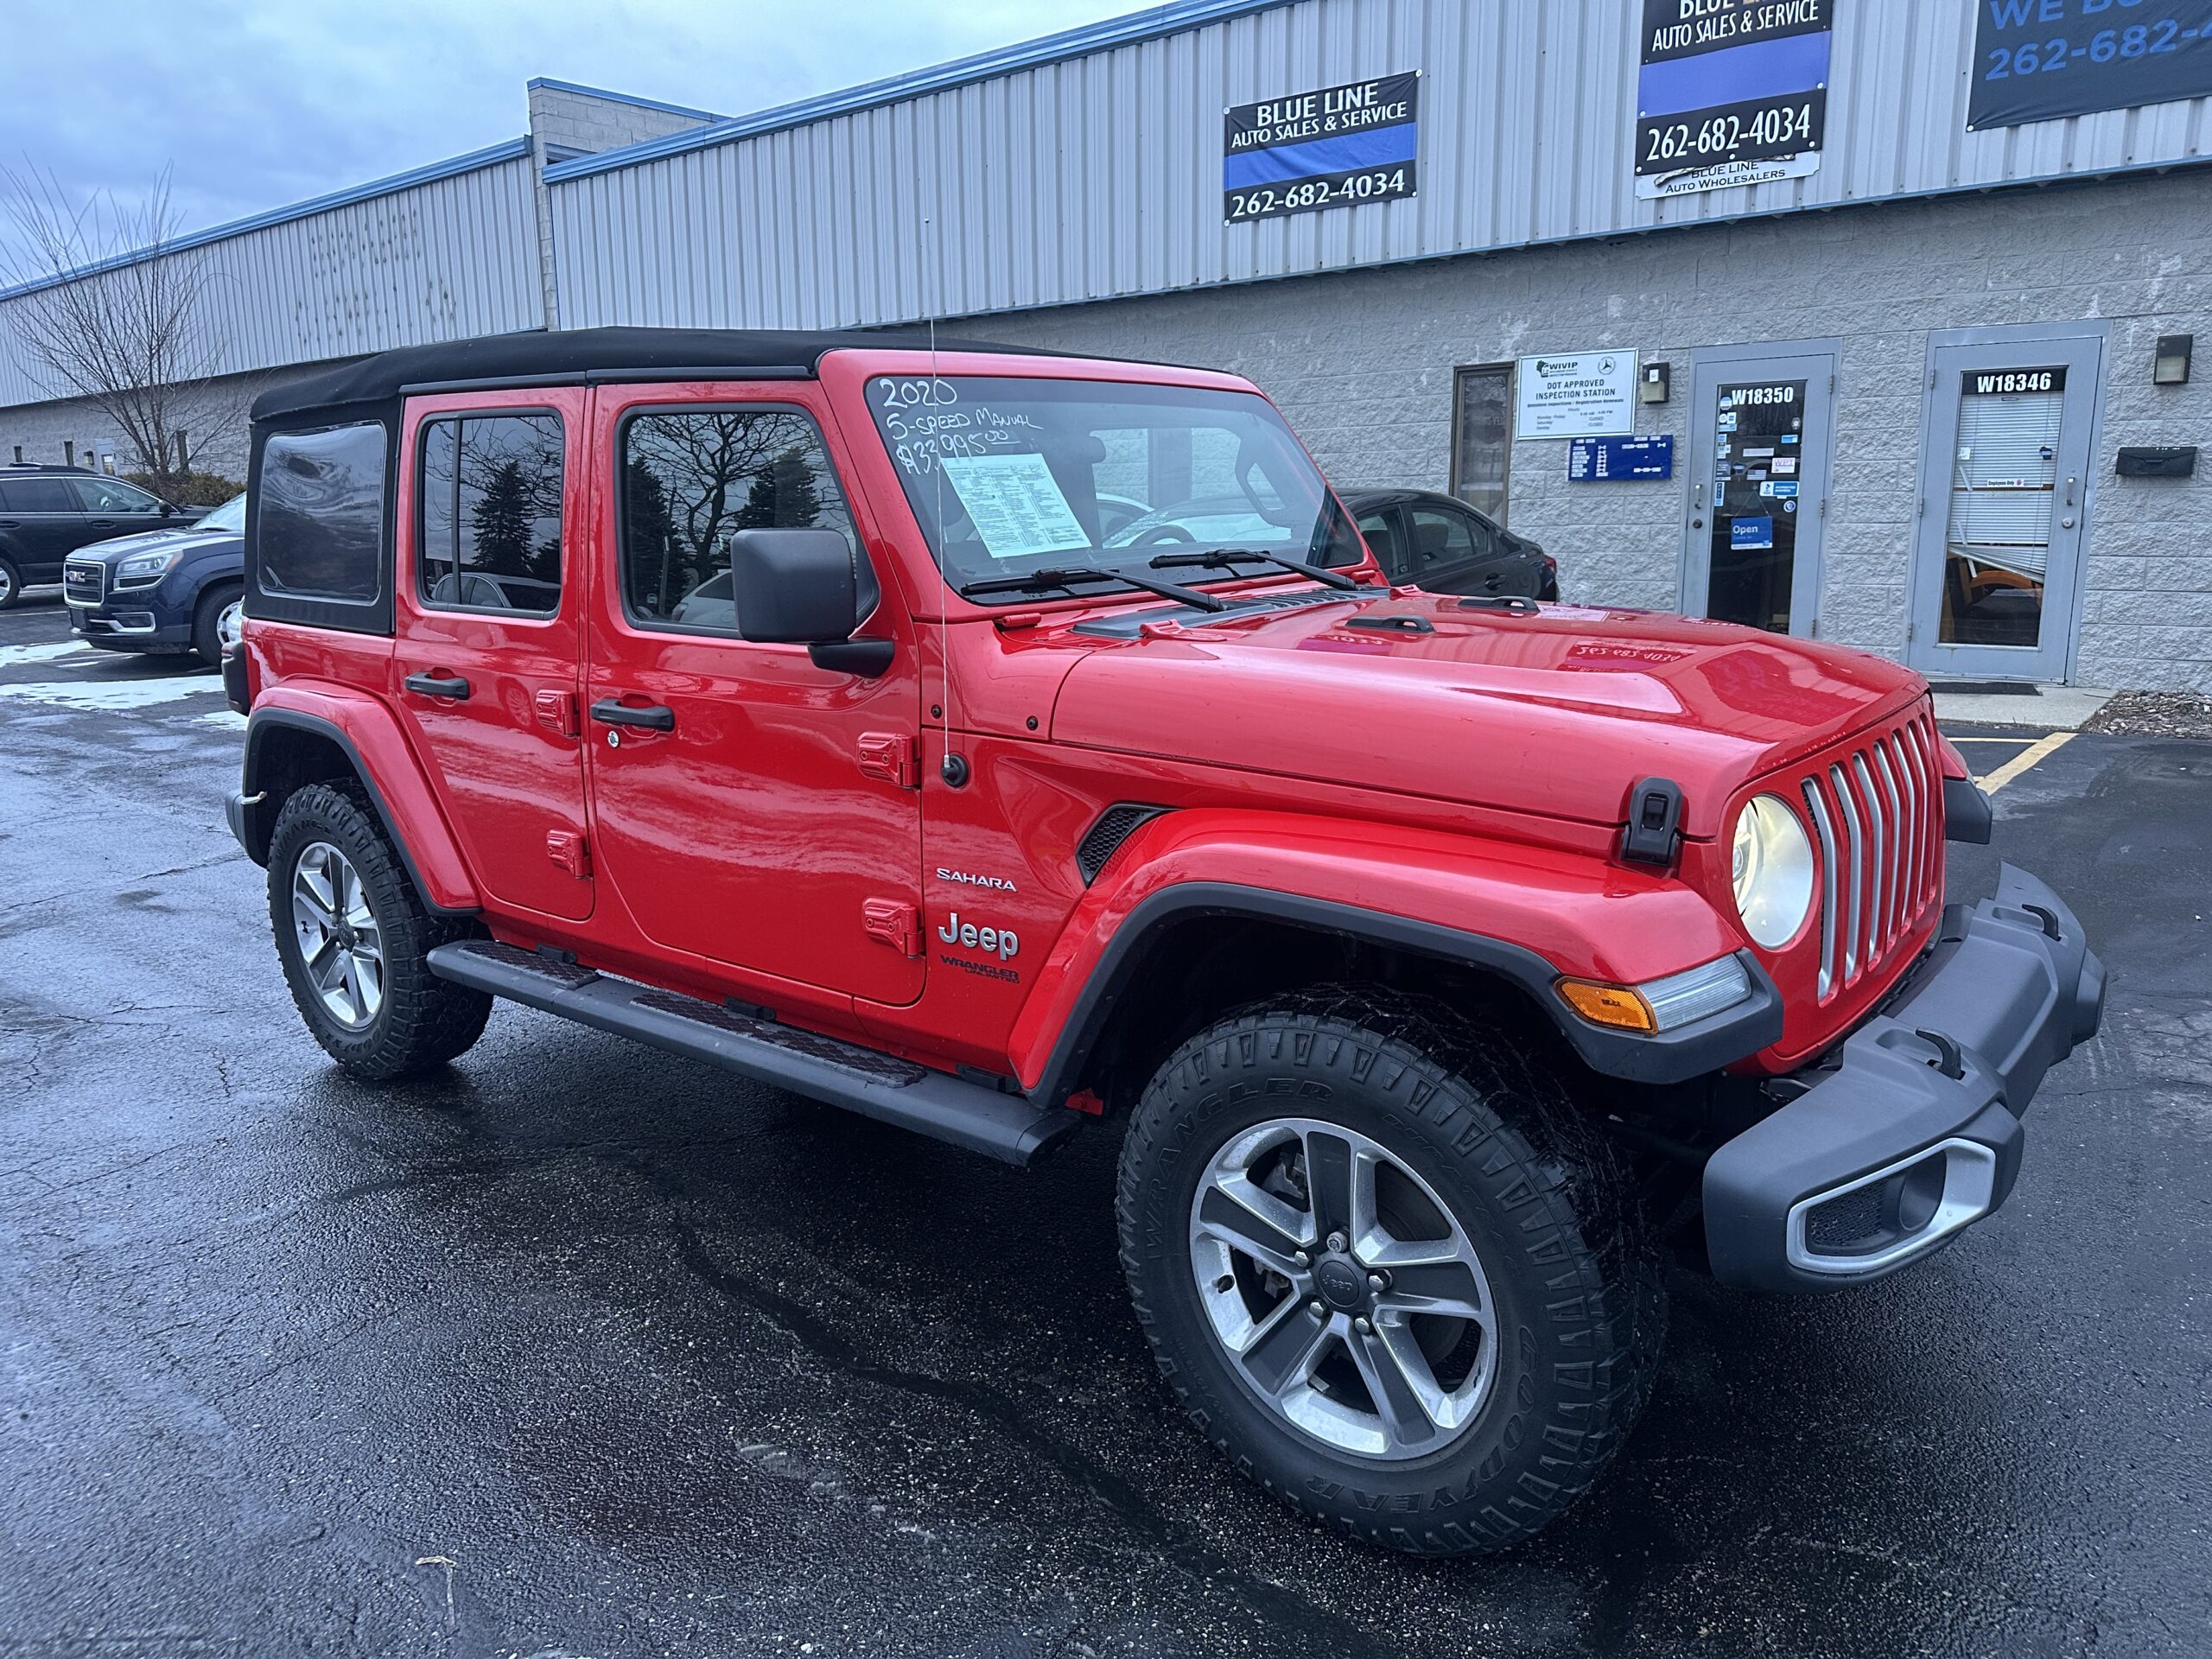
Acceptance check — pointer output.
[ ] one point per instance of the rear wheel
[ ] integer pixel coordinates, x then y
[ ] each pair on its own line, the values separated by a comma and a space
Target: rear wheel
208, 622
355, 940
1387, 1269
11, 584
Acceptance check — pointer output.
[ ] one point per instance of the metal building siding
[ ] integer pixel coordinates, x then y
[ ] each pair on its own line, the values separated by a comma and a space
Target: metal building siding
1099, 175
442, 260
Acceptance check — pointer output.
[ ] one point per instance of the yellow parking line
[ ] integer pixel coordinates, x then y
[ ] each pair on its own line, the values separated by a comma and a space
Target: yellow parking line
2020, 762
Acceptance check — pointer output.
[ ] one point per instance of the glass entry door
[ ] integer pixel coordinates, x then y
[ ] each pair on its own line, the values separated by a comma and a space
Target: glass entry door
1760, 420
2005, 503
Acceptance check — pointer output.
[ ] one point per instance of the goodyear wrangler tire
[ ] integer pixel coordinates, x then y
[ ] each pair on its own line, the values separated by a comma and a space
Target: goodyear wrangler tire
355, 940
1386, 1268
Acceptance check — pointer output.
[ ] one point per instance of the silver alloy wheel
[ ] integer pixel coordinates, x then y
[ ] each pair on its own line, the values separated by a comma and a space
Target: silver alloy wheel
340, 943
230, 627
1344, 1293
6, 584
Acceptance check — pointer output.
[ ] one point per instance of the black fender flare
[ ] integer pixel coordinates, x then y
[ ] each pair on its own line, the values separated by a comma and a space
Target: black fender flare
253, 818
1690, 1051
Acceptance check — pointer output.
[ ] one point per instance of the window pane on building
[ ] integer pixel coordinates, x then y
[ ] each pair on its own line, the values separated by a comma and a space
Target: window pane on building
1482, 437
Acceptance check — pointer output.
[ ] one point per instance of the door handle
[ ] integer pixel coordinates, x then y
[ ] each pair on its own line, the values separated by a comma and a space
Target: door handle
655, 717
101, 524
2070, 484
451, 688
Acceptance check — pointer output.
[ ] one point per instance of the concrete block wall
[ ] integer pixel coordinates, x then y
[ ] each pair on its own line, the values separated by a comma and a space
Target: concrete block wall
1362, 364
215, 428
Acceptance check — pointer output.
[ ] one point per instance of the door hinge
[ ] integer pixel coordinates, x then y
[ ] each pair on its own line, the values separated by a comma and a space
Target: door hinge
1911, 631
895, 757
892, 922
566, 848
556, 711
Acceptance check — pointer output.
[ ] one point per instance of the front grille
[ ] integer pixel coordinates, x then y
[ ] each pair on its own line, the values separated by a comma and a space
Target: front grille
1877, 811
84, 583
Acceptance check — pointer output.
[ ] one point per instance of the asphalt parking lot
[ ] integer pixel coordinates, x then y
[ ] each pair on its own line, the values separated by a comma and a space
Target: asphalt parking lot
585, 1350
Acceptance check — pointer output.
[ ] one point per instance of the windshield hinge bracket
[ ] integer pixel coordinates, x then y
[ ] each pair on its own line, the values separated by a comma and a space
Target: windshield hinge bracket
895, 757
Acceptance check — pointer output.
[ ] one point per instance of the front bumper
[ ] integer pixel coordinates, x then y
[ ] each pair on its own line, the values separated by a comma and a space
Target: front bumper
128, 619
1912, 1131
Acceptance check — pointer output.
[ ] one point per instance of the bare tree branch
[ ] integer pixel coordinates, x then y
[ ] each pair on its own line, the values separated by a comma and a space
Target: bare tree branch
117, 315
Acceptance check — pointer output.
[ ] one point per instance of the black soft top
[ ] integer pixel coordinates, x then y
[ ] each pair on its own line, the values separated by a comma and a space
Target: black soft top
368, 385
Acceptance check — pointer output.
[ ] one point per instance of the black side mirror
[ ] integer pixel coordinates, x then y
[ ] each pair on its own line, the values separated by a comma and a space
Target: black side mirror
798, 588
169, 510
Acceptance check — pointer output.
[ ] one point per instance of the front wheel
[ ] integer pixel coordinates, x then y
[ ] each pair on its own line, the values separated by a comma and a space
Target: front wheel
355, 941
1387, 1269
11, 584
208, 617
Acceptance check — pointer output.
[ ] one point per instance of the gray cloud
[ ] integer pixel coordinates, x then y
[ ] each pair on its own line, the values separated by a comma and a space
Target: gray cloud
255, 103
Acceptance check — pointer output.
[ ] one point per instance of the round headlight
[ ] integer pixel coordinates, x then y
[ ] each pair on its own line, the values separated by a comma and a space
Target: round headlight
1772, 871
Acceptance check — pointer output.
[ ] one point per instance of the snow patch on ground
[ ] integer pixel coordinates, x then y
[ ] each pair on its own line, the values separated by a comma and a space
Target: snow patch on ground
17, 655
92, 695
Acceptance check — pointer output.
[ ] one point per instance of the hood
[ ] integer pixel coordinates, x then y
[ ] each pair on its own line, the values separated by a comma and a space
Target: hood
147, 541
1555, 713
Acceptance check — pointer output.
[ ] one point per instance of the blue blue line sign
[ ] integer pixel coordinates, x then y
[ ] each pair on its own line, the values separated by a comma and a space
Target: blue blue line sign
1730, 93
1335, 147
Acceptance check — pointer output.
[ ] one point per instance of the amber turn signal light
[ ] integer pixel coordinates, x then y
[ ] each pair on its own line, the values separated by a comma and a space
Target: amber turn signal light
1620, 1007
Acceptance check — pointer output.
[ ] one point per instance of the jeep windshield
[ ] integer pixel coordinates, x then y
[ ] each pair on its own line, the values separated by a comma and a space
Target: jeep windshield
1015, 481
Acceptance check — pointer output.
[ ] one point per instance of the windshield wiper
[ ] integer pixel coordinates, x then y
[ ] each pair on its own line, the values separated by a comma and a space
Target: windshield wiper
1225, 558
1043, 581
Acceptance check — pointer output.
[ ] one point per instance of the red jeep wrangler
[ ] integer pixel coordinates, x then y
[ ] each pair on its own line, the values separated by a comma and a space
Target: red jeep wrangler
991, 742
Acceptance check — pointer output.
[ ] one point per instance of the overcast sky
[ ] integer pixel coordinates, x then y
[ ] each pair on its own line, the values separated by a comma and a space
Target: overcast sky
256, 103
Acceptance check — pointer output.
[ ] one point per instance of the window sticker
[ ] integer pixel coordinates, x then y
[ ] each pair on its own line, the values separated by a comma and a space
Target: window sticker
1016, 504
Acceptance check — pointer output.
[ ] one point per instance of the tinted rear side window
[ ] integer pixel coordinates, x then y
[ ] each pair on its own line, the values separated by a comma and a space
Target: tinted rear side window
490, 517
36, 495
319, 514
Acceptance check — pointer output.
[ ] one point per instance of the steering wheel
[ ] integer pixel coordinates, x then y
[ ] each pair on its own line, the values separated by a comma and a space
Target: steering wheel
1160, 535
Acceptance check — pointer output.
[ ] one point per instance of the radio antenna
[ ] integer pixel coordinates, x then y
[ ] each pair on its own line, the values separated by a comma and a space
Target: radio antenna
954, 767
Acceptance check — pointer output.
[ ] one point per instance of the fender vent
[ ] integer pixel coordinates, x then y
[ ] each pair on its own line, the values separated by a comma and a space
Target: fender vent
1115, 825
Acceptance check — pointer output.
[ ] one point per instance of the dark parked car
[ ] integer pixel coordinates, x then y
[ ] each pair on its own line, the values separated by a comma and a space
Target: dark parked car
48, 513
163, 590
1439, 543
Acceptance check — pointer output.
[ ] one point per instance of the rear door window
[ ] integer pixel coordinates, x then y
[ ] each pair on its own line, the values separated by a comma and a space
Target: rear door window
1443, 543
319, 514
488, 514
36, 495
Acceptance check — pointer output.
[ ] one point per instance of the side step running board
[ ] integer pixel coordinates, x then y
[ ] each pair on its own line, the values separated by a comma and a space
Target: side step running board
891, 1091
